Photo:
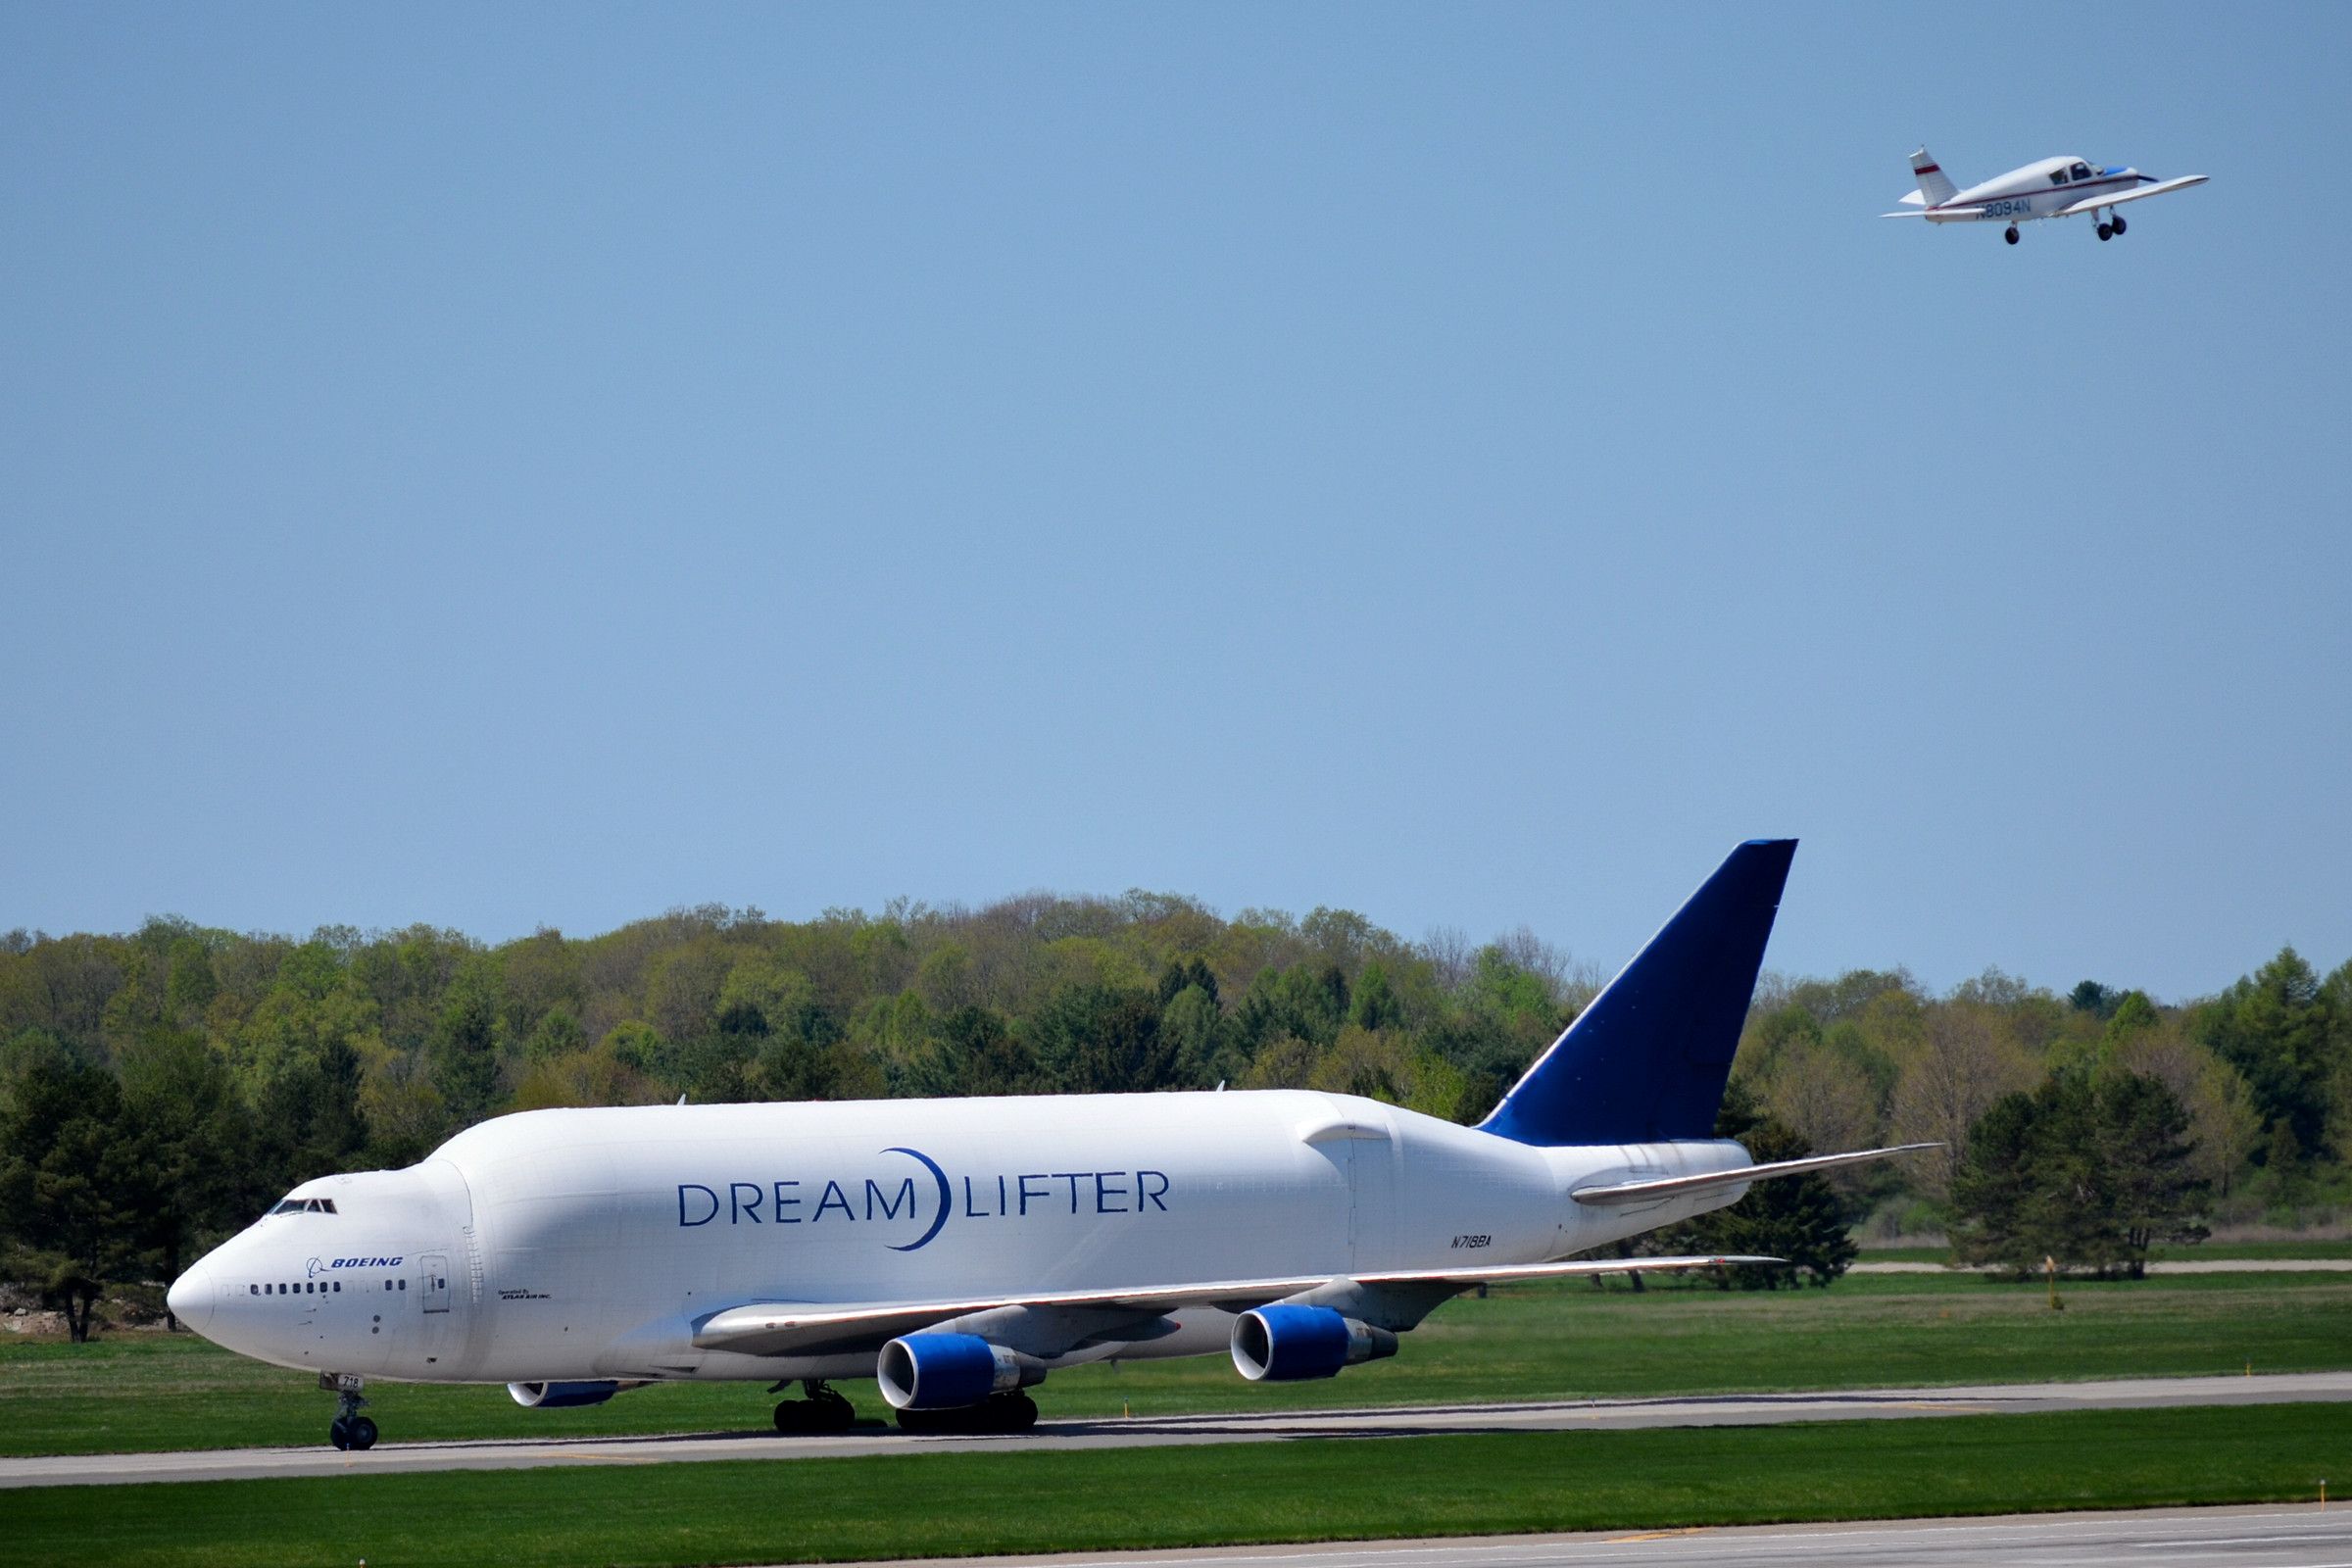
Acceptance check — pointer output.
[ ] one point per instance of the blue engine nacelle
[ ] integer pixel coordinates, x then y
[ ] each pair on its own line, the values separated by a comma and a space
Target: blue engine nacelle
560, 1395
943, 1371
1284, 1343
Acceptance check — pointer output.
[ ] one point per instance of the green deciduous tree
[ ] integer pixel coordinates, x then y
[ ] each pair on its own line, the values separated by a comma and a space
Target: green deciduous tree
1097, 1039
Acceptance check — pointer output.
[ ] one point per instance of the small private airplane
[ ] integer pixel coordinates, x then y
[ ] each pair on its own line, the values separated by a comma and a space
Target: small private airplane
2054, 187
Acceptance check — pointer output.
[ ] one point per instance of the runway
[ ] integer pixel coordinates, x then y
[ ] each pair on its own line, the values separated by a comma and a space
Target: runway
2158, 1537
1740, 1409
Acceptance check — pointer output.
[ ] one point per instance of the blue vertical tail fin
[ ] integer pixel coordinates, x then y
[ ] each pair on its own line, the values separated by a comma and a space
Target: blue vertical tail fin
1648, 1061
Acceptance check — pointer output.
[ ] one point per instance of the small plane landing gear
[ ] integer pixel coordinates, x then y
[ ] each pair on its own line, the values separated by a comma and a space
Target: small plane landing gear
2011, 235
998, 1412
2106, 231
2118, 225
822, 1412
349, 1430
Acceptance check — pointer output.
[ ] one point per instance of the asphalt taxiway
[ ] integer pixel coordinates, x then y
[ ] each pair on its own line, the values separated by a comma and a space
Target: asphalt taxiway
2266, 1537
1740, 1409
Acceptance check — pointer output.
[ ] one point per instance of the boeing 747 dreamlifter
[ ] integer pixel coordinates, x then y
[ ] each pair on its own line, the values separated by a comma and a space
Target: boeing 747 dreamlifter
959, 1250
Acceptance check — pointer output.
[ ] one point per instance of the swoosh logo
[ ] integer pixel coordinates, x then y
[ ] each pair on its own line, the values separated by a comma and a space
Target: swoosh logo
937, 1175
313, 1267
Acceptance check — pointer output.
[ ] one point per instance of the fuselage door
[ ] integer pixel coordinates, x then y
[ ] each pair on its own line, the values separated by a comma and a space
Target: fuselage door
436, 1281
1371, 1201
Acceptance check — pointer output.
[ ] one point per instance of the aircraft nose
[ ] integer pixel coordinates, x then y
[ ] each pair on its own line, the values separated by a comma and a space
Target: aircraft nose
190, 1298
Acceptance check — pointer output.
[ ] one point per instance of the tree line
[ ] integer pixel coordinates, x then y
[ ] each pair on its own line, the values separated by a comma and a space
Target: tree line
159, 1088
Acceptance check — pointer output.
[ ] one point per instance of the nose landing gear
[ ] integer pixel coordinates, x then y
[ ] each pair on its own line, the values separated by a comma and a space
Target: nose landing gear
349, 1430
2011, 235
823, 1411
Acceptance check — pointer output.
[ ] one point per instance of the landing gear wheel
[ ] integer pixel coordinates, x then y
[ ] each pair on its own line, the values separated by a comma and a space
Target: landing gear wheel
2106, 231
998, 1412
2011, 235
2119, 224
823, 1411
349, 1429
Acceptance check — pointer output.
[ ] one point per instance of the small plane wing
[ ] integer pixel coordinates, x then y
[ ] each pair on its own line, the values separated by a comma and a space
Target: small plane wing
794, 1328
1653, 1189
2161, 188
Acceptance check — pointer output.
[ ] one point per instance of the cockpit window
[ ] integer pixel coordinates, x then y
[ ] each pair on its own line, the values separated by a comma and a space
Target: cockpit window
2058, 178
2080, 171
305, 1206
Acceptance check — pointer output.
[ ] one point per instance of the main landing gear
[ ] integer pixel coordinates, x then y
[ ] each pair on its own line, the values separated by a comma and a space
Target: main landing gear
349, 1429
998, 1412
2011, 235
822, 1412
2114, 225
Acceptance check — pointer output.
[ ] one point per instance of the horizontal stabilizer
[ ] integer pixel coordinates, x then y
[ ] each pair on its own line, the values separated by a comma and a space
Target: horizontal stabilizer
1651, 1190
790, 1328
2163, 187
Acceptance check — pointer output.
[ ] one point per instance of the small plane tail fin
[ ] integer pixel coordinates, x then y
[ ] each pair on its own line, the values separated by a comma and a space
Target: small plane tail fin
1645, 1062
1934, 183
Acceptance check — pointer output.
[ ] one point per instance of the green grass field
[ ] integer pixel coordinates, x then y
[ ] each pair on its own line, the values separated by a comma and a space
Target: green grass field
150, 1390
814, 1509
2206, 1251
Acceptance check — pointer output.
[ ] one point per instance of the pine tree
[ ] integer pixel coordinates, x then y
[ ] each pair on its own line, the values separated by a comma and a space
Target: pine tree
2090, 1172
1797, 1218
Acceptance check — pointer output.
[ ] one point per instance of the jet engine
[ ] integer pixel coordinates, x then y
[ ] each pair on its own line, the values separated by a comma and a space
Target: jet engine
1285, 1343
563, 1396
941, 1371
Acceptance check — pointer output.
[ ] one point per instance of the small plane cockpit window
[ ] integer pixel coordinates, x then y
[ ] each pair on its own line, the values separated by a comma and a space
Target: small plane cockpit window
2080, 171
2058, 178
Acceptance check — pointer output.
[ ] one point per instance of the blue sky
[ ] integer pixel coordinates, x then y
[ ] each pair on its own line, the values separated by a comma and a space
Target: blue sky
1470, 465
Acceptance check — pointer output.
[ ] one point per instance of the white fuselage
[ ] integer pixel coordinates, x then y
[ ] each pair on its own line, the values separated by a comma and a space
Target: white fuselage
2037, 190
590, 1244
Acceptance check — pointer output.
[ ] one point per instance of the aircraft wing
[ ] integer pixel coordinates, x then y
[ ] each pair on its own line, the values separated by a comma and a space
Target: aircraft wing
796, 1328
1652, 1189
2161, 188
